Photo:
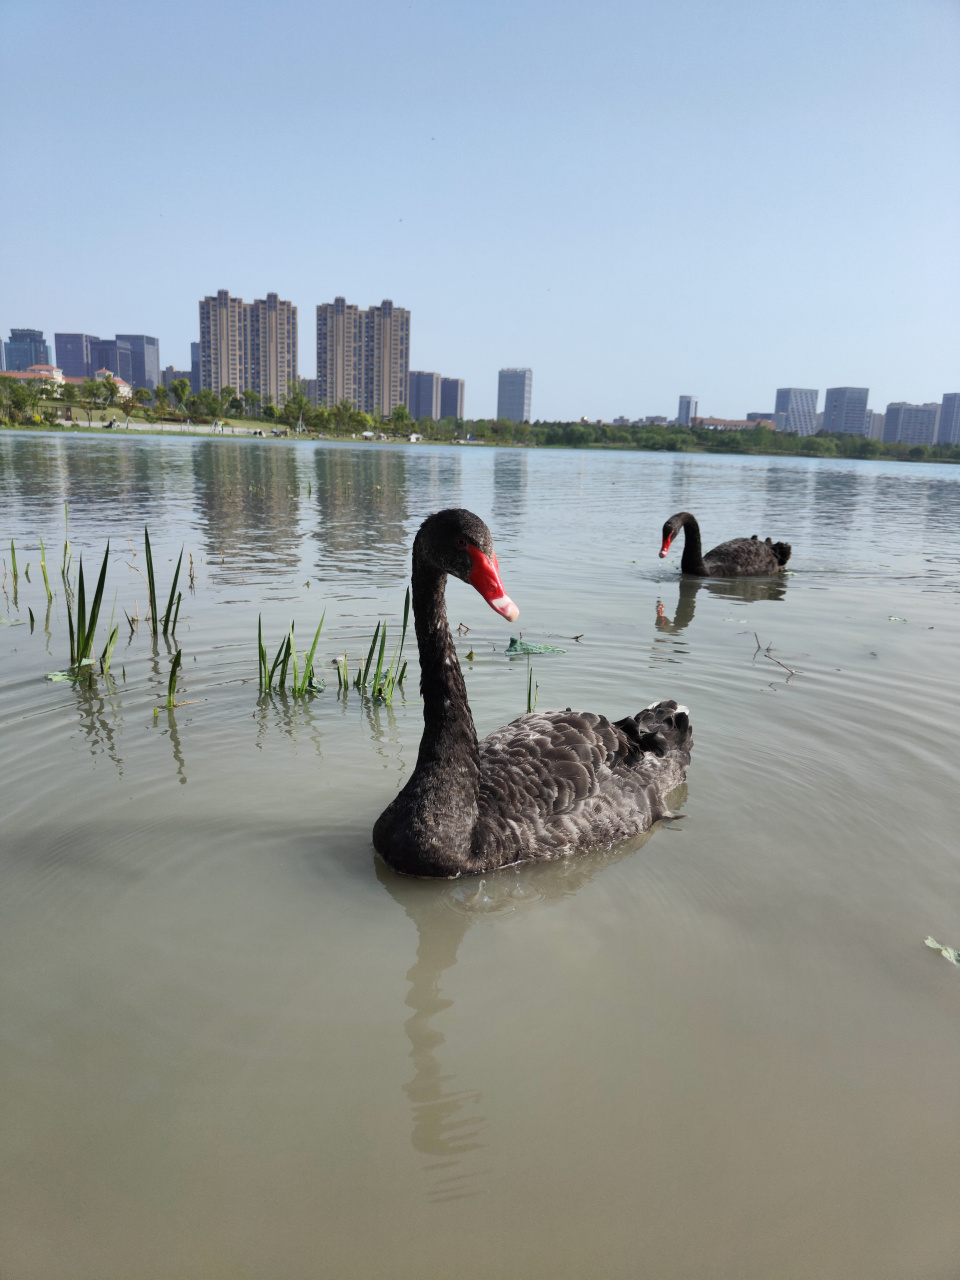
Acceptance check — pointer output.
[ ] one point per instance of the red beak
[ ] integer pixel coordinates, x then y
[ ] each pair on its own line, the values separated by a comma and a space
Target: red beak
485, 577
666, 545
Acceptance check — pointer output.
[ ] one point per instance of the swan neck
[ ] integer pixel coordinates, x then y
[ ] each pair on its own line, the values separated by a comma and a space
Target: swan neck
448, 730
692, 559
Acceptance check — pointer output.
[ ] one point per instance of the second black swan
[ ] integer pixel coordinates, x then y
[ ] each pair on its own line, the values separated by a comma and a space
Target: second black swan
738, 558
545, 785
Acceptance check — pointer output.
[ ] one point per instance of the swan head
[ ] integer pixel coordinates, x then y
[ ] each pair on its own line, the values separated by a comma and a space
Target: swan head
457, 542
671, 528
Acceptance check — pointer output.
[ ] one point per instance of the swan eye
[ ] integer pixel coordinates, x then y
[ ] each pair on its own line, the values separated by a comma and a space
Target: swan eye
461, 542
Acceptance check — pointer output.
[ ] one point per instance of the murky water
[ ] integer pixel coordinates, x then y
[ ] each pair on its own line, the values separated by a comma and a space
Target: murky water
233, 1045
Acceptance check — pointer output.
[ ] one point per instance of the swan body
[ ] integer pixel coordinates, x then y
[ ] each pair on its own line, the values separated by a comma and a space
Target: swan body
544, 786
738, 558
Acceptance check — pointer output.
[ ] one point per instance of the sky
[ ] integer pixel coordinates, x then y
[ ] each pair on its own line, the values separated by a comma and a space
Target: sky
634, 198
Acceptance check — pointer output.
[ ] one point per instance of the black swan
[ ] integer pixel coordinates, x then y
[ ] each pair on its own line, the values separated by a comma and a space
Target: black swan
542, 787
738, 558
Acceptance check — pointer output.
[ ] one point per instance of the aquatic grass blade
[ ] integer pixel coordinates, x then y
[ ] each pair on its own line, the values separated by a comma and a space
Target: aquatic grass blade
13, 557
43, 566
379, 670
285, 662
293, 657
176, 613
173, 590
308, 668
91, 626
172, 682
276, 663
261, 653
108, 651
150, 581
366, 669
81, 615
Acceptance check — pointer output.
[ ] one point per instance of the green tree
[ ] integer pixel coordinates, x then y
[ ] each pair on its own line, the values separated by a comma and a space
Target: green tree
160, 399
400, 418
180, 390
91, 397
251, 400
143, 395
227, 395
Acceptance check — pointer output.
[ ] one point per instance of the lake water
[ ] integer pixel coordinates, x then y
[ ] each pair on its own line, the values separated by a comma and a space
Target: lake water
233, 1045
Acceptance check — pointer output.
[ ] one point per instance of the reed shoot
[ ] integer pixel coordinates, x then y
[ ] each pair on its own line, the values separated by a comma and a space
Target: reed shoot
287, 659
84, 628
172, 682
176, 575
43, 566
151, 584
533, 692
13, 557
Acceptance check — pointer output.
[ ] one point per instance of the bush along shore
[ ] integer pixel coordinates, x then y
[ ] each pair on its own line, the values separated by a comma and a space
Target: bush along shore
44, 407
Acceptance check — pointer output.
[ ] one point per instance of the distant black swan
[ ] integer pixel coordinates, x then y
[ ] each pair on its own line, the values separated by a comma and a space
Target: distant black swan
542, 787
738, 558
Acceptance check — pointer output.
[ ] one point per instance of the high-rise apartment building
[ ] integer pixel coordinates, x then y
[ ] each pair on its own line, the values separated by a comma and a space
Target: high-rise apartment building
144, 359
687, 410
513, 394
845, 410
423, 398
949, 432
75, 354
195, 367
911, 423
386, 358
451, 398
339, 353
25, 349
796, 410
250, 346
363, 356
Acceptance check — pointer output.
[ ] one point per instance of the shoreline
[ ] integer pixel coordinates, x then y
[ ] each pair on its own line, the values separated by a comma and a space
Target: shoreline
234, 430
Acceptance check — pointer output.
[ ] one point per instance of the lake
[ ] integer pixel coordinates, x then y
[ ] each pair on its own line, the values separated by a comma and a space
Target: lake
234, 1044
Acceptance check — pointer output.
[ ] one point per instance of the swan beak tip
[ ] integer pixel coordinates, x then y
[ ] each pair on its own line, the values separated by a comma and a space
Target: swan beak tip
663, 555
506, 608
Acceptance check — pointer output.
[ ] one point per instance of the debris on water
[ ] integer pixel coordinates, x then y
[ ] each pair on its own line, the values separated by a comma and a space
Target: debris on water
948, 953
893, 618
517, 646
60, 675
470, 656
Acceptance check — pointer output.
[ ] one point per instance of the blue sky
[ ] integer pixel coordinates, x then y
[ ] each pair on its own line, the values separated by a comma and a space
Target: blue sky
634, 199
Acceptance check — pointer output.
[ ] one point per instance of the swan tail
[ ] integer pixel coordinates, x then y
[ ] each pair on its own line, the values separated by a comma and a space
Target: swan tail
663, 729
781, 550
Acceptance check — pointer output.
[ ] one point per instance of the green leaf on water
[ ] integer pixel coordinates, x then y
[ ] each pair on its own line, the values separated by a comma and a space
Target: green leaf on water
517, 646
60, 675
948, 953
893, 618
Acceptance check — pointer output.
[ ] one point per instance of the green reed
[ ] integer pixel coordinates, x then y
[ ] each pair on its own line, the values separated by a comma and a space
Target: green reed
43, 566
384, 682
287, 659
169, 619
83, 628
13, 557
533, 692
172, 682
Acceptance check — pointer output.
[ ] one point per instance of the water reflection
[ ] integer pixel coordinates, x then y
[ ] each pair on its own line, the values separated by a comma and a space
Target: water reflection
247, 501
447, 1123
745, 590
509, 492
362, 504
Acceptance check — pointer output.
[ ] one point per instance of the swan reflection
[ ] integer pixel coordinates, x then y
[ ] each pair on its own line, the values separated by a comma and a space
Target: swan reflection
448, 1121
744, 590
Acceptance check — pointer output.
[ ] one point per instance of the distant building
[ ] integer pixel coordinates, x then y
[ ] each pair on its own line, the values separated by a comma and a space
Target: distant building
654, 420
796, 410
770, 417
145, 359
38, 373
125, 388
76, 354
170, 375
250, 346
195, 367
687, 410
622, 422
451, 398
386, 358
116, 355
911, 423
845, 410
25, 348
423, 397
513, 394
310, 389
875, 424
949, 432
363, 356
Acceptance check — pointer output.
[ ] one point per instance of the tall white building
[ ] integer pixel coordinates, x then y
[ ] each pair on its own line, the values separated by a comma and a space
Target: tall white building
513, 394
687, 410
911, 423
845, 410
250, 346
796, 410
949, 432
363, 356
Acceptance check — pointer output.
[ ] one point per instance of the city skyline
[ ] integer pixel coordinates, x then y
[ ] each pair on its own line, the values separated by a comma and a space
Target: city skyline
728, 288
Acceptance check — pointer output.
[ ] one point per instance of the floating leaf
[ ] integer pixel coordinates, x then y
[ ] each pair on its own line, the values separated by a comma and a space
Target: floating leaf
517, 646
948, 953
60, 675
893, 618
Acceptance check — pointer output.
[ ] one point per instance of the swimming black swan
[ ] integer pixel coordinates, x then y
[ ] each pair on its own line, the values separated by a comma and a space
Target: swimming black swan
543, 786
738, 558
